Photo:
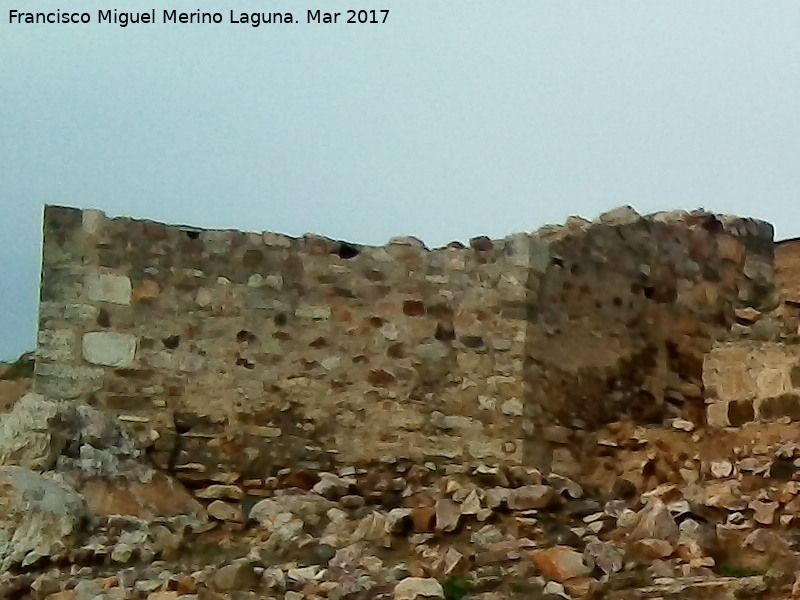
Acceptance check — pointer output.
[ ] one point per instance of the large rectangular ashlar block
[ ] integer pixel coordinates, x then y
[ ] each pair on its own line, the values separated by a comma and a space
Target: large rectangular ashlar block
108, 287
109, 349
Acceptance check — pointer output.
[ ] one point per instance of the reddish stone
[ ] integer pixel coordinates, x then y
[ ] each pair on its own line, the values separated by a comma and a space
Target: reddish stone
413, 308
342, 315
109, 582
380, 378
154, 231
303, 479
424, 498
729, 248
147, 290
423, 518
162, 496
252, 258
186, 585
560, 563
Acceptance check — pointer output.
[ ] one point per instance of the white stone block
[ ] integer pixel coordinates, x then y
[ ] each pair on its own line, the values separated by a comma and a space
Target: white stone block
512, 407
93, 221
316, 313
109, 349
108, 287
622, 215
717, 414
772, 382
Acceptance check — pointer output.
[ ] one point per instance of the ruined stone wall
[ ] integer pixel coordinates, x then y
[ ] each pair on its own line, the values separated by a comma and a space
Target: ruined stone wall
787, 270
750, 381
628, 309
248, 352
755, 375
310, 350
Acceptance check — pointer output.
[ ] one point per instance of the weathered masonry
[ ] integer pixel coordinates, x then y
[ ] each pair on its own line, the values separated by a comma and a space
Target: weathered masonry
234, 352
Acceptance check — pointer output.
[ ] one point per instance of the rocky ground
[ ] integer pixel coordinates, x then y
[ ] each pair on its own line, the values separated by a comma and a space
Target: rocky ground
708, 516
15, 381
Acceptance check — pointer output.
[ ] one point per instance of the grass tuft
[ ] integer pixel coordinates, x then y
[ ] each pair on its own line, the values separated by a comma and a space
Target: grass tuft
456, 587
734, 571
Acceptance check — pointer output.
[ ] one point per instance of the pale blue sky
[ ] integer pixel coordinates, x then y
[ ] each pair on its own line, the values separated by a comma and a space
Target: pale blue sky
454, 119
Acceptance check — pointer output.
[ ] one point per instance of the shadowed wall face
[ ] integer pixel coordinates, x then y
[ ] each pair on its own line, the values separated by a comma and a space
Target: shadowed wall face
627, 313
226, 351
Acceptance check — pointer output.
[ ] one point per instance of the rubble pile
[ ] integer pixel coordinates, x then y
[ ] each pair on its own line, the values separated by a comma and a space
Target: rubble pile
84, 517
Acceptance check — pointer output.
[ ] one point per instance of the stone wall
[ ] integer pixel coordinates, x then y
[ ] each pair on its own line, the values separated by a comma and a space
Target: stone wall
226, 351
628, 309
752, 381
754, 376
787, 270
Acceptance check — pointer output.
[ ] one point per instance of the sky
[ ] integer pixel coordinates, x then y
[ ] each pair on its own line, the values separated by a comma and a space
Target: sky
455, 118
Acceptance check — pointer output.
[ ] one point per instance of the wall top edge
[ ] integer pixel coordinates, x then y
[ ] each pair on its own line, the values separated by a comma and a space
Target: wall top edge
574, 225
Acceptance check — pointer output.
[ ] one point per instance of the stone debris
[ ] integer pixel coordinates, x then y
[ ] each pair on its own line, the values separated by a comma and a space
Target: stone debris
721, 469
607, 556
28, 434
448, 514
413, 588
560, 563
763, 512
682, 425
655, 522
223, 511
299, 543
310, 537
295, 543
530, 497
40, 515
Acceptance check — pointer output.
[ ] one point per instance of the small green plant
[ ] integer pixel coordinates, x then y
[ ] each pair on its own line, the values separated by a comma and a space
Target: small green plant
734, 571
456, 587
